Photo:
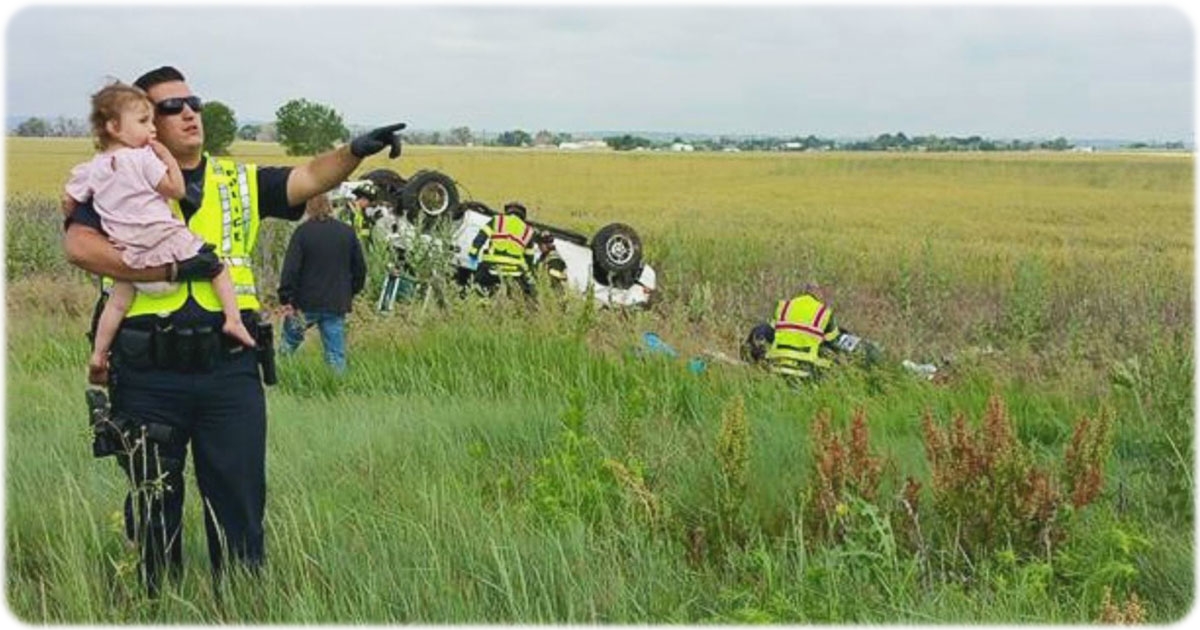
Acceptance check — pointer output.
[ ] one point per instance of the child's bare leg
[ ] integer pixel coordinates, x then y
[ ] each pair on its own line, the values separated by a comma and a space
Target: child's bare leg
115, 308
223, 285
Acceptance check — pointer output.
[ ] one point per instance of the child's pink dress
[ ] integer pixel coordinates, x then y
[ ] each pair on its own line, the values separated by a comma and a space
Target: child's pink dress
121, 186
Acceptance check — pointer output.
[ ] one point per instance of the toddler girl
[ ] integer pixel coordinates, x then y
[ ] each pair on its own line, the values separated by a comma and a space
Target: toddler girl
128, 182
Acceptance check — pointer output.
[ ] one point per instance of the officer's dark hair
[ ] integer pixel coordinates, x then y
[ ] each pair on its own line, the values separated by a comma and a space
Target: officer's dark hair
165, 74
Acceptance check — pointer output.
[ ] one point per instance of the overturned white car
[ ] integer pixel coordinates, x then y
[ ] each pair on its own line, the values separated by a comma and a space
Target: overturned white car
424, 213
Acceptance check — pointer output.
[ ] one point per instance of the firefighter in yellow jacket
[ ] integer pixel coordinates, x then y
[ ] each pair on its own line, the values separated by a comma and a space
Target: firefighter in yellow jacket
804, 330
504, 251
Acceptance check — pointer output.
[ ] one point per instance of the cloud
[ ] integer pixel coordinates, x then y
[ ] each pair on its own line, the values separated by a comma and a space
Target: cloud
1002, 71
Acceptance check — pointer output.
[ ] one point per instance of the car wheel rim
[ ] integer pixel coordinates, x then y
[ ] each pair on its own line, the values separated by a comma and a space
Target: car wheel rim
433, 199
619, 249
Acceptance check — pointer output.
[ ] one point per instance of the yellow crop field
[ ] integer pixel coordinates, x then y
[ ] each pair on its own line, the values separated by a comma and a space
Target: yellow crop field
1101, 223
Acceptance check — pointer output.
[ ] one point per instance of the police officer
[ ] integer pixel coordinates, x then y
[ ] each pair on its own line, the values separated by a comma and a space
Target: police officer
504, 251
804, 328
175, 380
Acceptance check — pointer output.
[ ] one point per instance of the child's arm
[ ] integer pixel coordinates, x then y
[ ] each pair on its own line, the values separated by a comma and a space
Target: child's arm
171, 185
76, 191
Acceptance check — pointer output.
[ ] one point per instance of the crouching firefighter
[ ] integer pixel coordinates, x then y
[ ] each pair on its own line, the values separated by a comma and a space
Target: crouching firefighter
799, 341
503, 252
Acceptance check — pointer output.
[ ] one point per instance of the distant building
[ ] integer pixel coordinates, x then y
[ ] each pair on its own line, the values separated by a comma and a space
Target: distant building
682, 146
583, 145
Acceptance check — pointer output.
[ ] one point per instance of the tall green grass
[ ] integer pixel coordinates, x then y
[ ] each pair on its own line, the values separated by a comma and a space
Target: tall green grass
431, 486
486, 463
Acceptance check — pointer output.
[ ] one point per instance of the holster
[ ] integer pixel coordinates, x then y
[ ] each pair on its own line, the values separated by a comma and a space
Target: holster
264, 336
116, 434
107, 437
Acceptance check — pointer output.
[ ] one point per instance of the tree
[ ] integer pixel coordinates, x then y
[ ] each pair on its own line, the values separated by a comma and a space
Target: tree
63, 127
33, 128
307, 128
220, 127
543, 138
461, 136
248, 132
626, 142
515, 138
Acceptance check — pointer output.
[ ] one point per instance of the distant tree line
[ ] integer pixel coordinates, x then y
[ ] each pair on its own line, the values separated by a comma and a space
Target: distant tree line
1170, 146
220, 127
58, 128
464, 136
304, 128
884, 142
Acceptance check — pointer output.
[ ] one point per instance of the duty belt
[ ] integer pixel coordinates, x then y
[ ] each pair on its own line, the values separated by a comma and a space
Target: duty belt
182, 349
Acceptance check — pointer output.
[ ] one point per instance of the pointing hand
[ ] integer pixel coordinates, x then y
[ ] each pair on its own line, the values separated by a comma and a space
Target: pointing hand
375, 140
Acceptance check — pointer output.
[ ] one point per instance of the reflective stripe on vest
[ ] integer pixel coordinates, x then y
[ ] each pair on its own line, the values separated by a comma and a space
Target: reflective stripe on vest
359, 222
799, 330
506, 244
227, 220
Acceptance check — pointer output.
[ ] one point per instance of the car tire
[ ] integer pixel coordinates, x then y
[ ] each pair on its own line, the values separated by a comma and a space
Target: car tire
429, 197
390, 185
617, 250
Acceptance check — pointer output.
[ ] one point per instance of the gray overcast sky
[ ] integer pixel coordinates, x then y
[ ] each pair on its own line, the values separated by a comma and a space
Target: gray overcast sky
999, 71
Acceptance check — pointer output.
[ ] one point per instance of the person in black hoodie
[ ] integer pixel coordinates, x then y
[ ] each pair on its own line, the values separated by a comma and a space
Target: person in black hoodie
322, 272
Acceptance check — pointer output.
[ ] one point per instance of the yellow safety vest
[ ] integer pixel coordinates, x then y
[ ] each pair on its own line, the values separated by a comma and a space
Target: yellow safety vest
227, 219
508, 238
800, 327
360, 223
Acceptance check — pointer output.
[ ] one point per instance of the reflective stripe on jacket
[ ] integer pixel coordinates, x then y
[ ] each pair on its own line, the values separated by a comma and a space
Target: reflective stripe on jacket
228, 220
509, 245
801, 325
361, 228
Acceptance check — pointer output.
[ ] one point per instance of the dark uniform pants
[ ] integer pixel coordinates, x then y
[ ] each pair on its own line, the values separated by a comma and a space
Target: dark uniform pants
222, 414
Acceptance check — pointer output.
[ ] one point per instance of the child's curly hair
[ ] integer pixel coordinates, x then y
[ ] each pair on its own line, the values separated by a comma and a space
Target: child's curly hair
108, 103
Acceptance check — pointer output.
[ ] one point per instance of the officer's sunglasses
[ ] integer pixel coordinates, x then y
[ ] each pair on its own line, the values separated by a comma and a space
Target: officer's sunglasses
174, 105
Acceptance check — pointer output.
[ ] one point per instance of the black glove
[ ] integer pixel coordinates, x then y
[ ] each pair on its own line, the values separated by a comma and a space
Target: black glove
375, 140
202, 266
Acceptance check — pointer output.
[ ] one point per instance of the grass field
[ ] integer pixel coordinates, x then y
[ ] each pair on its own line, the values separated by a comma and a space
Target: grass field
585, 483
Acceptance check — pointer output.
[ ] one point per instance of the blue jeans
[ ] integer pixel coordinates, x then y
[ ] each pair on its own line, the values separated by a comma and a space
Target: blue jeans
333, 335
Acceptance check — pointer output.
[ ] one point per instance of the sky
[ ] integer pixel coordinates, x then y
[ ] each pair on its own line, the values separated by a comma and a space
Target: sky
999, 71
